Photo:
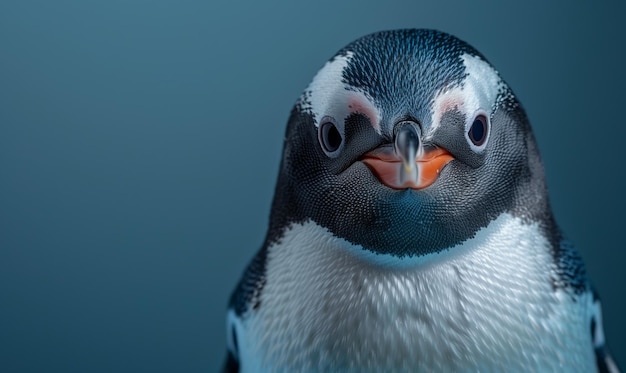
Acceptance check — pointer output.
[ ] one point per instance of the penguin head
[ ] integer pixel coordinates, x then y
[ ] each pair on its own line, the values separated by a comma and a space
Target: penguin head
407, 143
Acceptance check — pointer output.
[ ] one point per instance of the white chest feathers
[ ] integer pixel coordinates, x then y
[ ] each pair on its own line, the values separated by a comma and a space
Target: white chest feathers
487, 305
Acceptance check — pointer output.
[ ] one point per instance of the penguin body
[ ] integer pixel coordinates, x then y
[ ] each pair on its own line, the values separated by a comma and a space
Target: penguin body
411, 229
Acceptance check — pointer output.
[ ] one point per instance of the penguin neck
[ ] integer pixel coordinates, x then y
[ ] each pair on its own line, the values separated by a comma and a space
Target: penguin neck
501, 234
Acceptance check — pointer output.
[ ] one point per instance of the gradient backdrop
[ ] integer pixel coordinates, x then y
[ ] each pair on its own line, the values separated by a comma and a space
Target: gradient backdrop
140, 142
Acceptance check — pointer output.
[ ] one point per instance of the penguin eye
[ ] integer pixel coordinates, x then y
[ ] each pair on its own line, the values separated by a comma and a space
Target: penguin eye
478, 131
329, 137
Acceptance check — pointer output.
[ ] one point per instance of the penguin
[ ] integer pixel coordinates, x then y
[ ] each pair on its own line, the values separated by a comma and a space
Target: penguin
411, 230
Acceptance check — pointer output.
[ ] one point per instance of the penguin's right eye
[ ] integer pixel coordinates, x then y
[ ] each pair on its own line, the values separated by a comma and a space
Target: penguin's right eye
330, 138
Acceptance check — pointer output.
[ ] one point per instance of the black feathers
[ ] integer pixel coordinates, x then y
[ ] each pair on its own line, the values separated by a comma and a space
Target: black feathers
231, 365
248, 292
604, 360
570, 269
405, 68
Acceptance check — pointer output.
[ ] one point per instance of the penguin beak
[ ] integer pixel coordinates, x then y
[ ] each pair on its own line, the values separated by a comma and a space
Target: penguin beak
407, 164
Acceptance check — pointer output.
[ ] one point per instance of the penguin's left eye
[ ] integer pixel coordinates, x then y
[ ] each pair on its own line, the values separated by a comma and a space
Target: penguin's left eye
478, 132
329, 137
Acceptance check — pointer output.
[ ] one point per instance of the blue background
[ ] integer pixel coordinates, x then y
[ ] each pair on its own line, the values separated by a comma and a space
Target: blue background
140, 142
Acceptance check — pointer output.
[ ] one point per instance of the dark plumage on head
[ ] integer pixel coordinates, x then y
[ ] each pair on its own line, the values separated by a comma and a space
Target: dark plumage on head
441, 84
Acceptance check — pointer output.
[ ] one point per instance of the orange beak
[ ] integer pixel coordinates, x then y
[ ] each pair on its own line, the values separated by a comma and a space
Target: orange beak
388, 168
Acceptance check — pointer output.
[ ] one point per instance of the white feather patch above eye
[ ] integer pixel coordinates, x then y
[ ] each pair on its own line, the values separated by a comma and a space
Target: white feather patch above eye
328, 95
479, 91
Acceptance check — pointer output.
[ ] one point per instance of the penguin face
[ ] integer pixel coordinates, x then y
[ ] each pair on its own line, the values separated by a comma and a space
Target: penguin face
407, 143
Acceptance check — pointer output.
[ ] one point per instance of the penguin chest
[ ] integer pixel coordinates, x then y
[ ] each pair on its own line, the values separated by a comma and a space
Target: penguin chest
485, 305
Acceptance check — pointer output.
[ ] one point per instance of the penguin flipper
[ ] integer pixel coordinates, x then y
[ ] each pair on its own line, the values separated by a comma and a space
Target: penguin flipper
604, 360
231, 365
245, 299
